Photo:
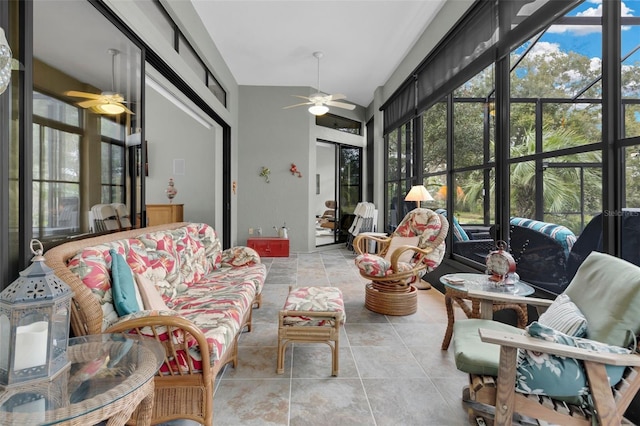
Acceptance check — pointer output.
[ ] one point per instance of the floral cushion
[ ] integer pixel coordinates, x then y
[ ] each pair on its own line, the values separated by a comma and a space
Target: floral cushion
320, 299
176, 261
544, 374
426, 224
376, 266
93, 266
240, 256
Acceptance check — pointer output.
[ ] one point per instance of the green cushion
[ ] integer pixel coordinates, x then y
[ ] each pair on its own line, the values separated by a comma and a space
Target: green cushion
123, 288
472, 355
607, 291
556, 376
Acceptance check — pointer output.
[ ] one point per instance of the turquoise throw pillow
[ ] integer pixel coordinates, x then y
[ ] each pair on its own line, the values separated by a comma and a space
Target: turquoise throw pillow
459, 234
556, 376
123, 288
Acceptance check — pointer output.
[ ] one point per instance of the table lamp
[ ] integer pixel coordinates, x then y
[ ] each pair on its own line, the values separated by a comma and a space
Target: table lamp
418, 193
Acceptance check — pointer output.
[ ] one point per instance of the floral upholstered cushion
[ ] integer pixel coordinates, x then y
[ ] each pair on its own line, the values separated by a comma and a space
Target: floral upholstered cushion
318, 299
376, 266
93, 266
426, 224
543, 374
240, 256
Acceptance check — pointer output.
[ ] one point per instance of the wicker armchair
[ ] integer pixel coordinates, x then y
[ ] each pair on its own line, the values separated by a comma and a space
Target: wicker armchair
416, 247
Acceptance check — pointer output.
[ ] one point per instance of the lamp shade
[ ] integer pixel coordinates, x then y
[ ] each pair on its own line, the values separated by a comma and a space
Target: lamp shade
418, 193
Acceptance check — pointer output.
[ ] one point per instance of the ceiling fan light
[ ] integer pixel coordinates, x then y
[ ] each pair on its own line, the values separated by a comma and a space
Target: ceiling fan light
318, 109
110, 108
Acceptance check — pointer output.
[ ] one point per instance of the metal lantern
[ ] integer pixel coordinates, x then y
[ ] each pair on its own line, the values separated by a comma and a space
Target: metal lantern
34, 324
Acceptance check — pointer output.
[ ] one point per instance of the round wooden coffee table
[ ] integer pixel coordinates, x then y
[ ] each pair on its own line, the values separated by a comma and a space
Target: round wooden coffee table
109, 377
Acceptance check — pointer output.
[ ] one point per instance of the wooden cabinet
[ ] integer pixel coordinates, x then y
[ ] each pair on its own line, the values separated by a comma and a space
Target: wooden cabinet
159, 214
269, 246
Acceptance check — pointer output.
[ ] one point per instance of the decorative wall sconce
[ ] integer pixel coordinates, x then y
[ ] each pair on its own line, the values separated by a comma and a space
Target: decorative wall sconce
265, 174
294, 170
35, 311
5, 62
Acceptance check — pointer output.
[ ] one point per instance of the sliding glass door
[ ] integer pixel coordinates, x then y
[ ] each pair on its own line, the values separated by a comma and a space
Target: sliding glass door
338, 190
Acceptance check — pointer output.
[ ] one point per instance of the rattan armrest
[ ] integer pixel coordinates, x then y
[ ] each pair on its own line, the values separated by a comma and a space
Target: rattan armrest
360, 242
509, 298
395, 256
514, 340
171, 324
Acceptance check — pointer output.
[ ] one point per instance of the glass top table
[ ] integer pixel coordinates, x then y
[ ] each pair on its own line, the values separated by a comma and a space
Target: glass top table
457, 286
109, 377
469, 281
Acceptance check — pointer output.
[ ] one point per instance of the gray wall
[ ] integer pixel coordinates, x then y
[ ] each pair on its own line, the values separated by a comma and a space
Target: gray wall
272, 137
173, 136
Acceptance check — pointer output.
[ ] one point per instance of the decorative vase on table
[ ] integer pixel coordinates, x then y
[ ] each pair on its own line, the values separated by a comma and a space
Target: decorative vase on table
171, 190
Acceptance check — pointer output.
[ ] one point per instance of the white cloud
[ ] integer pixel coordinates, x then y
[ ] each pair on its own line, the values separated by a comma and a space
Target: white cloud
544, 49
590, 12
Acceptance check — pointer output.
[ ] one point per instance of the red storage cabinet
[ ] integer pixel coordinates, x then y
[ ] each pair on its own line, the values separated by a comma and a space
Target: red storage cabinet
270, 246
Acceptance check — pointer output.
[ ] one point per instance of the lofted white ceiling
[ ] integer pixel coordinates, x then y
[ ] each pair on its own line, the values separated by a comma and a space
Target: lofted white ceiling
271, 43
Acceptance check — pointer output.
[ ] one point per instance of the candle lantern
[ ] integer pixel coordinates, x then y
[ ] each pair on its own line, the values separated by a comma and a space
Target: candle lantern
34, 324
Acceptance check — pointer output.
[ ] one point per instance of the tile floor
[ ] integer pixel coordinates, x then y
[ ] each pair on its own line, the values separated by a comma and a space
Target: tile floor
392, 371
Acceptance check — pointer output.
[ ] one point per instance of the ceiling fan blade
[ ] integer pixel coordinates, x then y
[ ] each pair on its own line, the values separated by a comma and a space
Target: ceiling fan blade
301, 97
87, 95
296, 105
337, 97
341, 105
90, 103
127, 110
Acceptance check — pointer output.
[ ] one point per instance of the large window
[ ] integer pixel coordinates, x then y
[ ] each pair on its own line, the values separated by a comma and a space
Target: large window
399, 174
56, 167
112, 165
524, 135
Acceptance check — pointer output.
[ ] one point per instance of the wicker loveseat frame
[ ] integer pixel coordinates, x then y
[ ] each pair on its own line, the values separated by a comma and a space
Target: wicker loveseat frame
180, 393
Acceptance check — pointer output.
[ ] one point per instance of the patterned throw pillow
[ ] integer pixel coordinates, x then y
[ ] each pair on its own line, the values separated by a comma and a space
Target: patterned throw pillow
543, 374
564, 316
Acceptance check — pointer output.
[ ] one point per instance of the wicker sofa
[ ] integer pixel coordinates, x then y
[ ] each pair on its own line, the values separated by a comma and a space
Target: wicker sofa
209, 295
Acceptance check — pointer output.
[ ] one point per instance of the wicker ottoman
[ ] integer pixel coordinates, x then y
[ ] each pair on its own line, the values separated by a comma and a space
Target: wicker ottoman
311, 315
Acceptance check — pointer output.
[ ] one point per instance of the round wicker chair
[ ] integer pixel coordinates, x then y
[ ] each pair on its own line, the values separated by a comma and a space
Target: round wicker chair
416, 247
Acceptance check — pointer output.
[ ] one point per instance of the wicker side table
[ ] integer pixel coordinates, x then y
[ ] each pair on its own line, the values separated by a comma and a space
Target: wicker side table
122, 383
456, 290
311, 315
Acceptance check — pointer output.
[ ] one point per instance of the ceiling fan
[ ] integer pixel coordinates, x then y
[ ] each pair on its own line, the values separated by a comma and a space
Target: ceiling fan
320, 102
105, 102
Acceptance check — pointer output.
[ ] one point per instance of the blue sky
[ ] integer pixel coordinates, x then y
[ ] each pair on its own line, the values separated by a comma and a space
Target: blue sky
588, 40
